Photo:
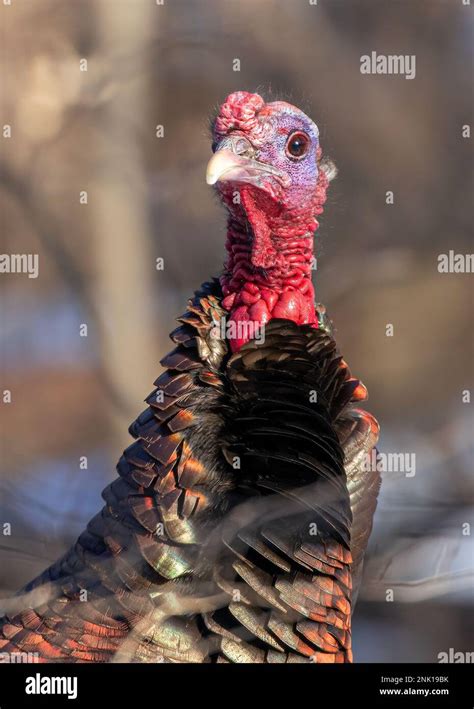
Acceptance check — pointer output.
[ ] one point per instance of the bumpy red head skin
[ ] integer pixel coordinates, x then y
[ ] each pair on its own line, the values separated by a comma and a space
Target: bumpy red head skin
273, 196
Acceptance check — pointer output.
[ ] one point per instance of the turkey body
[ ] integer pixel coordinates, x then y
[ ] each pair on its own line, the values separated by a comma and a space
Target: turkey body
236, 528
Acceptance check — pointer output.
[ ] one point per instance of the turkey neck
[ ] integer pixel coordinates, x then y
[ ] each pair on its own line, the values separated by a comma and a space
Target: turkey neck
267, 273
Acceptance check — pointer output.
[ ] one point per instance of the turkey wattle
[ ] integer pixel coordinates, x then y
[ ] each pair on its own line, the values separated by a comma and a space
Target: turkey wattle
237, 527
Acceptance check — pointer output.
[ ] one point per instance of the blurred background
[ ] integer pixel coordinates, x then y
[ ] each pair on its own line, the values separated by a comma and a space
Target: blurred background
88, 186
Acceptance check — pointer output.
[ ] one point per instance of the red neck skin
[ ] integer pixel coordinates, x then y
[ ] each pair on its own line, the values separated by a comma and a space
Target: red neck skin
269, 264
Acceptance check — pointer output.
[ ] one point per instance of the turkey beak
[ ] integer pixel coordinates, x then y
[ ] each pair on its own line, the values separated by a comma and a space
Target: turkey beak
230, 161
234, 161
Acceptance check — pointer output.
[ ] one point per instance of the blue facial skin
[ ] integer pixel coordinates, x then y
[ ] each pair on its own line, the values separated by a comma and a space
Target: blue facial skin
303, 171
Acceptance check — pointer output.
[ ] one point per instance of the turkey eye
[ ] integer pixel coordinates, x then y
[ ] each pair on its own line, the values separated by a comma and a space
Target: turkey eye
297, 145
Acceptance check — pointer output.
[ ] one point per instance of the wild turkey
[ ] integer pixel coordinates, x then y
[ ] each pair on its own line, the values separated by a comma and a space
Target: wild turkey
237, 526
